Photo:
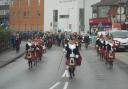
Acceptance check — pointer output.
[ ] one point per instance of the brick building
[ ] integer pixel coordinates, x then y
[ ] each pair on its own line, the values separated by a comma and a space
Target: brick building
27, 15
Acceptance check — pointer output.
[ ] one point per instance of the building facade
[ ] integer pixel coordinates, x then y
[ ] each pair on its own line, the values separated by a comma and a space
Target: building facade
61, 15
111, 14
4, 10
27, 15
70, 15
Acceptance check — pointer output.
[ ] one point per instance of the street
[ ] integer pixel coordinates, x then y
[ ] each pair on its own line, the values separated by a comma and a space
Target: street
51, 73
29, 27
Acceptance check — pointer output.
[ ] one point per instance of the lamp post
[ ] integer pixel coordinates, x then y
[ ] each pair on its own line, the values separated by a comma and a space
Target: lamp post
120, 12
84, 16
126, 14
68, 27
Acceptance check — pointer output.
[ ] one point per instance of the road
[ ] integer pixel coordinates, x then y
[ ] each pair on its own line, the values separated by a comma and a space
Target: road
51, 73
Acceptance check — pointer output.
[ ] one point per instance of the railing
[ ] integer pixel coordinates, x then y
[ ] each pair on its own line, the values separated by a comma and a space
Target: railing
5, 40
4, 45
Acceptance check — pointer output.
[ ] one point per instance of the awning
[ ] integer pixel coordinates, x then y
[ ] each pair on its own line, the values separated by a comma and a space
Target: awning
104, 22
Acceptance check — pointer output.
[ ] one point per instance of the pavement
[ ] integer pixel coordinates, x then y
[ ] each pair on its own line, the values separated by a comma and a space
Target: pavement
122, 56
11, 55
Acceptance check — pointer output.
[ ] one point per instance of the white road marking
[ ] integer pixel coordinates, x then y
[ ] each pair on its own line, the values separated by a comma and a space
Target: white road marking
66, 85
66, 74
55, 85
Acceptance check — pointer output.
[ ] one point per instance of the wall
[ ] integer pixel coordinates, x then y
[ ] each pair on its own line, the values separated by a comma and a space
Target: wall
71, 9
24, 21
63, 8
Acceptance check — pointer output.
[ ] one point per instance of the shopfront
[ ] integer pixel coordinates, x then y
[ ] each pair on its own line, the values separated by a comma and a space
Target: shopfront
100, 24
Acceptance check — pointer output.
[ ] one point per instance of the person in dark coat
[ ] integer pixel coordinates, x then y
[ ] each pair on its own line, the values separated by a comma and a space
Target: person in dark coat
18, 42
86, 41
13, 41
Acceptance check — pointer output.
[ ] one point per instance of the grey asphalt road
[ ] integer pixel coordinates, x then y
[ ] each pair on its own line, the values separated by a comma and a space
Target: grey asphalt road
92, 74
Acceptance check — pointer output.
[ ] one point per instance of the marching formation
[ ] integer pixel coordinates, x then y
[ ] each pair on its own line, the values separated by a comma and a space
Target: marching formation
34, 51
106, 46
37, 45
73, 56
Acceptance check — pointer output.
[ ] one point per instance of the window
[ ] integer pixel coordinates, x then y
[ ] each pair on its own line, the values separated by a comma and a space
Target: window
64, 16
55, 15
18, 12
103, 11
28, 12
25, 27
38, 27
28, 3
18, 7
38, 1
32, 27
11, 3
28, 7
19, 27
38, 13
24, 13
14, 14
4, 12
14, 26
70, 26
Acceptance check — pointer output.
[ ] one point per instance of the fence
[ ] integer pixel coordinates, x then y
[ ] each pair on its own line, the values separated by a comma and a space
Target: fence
5, 40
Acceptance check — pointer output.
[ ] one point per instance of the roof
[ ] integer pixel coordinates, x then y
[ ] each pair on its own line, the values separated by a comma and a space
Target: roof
109, 2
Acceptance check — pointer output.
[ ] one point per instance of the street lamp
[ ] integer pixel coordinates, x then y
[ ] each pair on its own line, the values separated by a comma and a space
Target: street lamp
84, 16
126, 14
120, 12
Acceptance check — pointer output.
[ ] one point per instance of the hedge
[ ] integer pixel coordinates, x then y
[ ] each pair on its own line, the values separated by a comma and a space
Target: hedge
5, 39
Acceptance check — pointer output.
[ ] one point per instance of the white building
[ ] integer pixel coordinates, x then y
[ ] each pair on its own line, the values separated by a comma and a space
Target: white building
68, 14
4, 10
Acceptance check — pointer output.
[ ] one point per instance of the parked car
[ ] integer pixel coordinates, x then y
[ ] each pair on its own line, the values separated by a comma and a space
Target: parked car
120, 37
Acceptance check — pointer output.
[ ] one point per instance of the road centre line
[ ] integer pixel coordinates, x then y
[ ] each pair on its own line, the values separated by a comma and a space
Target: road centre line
55, 85
66, 85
